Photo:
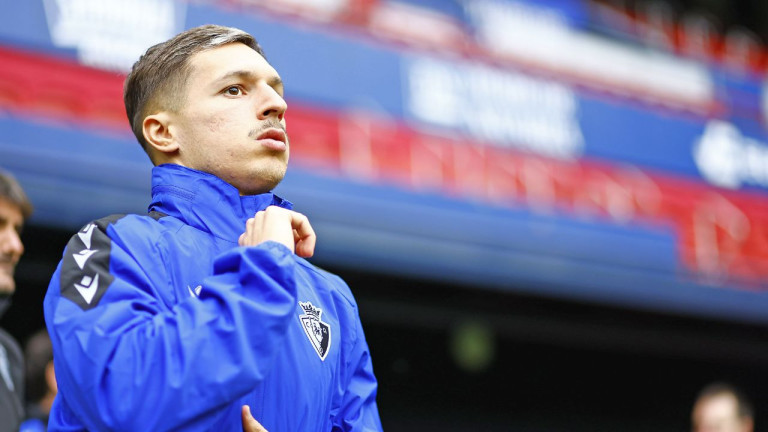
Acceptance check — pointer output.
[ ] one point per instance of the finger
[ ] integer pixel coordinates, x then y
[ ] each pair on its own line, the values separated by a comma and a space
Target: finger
246, 238
256, 227
305, 247
277, 226
249, 423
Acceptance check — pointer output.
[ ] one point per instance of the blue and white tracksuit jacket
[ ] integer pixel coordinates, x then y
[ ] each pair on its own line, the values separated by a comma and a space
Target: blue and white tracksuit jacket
162, 322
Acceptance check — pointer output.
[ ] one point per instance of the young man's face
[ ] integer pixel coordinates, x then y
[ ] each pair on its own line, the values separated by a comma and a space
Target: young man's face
11, 221
231, 123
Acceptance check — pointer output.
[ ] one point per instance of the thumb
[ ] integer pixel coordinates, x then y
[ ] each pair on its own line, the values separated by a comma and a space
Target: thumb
249, 423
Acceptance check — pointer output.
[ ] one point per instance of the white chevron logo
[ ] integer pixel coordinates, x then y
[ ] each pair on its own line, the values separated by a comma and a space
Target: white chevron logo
87, 287
85, 235
82, 257
196, 291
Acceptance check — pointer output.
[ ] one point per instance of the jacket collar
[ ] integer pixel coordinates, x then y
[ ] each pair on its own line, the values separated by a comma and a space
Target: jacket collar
206, 202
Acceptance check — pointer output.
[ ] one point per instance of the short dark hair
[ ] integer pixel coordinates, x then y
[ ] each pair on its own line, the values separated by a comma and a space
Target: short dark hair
744, 406
156, 81
38, 352
11, 191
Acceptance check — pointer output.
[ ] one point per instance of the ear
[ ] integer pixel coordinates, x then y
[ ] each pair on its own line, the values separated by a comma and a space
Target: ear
50, 378
159, 134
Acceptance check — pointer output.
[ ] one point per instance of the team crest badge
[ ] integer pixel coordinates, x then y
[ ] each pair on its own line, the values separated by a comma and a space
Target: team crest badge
318, 332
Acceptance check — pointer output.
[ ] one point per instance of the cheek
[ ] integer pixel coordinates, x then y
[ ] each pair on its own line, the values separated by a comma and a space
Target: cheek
215, 123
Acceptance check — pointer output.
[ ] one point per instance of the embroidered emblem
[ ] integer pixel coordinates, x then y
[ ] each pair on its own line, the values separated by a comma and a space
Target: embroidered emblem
318, 332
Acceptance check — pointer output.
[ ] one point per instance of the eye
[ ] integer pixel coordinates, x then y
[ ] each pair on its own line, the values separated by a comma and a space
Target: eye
234, 91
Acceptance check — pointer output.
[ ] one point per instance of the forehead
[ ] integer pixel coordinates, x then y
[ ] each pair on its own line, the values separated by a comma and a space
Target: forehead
209, 65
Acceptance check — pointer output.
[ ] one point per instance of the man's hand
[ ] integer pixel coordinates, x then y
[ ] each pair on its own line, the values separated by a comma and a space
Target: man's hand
249, 423
283, 226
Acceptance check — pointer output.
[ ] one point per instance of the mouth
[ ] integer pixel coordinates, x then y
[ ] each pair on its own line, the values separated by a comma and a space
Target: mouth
273, 139
7, 266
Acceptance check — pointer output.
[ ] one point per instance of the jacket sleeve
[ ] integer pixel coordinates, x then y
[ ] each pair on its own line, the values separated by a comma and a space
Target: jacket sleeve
126, 360
358, 410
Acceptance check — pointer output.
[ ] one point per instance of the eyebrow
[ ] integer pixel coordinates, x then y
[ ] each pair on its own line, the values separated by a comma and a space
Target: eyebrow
273, 82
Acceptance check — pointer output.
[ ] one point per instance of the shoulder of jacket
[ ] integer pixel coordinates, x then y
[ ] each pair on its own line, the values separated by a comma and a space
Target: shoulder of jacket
125, 228
86, 269
113, 219
337, 285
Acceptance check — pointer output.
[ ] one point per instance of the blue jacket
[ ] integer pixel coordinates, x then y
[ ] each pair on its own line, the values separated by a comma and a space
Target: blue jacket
162, 322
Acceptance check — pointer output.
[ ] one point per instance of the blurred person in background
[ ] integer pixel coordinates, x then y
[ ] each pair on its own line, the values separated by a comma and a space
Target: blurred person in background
40, 379
183, 318
721, 407
15, 208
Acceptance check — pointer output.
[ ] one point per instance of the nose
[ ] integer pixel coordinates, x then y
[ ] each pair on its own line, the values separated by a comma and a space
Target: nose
10, 242
271, 104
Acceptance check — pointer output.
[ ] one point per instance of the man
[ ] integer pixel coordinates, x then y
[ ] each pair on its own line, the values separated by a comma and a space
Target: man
721, 407
15, 208
183, 318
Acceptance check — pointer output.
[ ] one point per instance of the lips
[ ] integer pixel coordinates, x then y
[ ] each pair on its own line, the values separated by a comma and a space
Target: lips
273, 139
7, 267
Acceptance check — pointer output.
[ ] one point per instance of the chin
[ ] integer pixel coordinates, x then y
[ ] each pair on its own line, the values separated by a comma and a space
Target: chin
7, 285
266, 180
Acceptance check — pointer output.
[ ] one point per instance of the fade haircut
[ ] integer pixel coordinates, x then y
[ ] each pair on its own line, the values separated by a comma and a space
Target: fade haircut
11, 191
157, 81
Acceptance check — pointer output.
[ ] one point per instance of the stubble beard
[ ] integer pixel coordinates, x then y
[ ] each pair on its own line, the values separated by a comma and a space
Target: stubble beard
269, 177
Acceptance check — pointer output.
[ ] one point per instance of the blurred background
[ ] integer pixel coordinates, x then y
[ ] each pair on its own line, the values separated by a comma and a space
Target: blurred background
554, 213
